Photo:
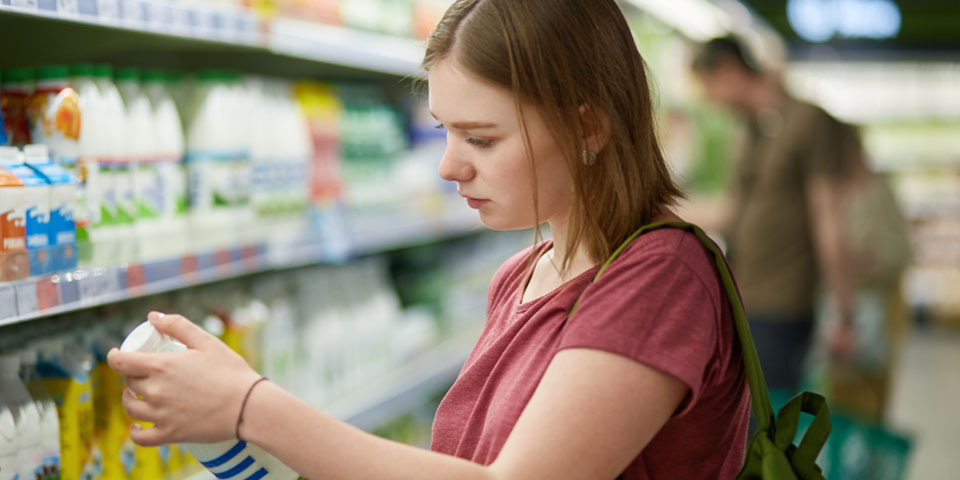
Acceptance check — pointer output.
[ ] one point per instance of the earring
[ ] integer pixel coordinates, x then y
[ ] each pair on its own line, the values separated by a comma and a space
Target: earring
588, 157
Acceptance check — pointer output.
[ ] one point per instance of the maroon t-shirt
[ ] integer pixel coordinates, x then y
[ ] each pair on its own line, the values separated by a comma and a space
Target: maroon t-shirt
661, 304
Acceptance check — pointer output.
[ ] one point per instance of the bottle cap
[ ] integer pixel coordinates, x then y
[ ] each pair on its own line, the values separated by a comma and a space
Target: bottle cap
10, 364
144, 338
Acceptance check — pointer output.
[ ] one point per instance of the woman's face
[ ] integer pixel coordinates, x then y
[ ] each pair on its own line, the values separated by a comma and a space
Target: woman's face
486, 154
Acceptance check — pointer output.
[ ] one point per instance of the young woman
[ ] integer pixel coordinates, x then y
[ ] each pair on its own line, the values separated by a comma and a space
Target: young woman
549, 119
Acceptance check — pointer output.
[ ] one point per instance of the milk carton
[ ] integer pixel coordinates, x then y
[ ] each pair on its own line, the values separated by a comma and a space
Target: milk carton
14, 261
62, 233
36, 207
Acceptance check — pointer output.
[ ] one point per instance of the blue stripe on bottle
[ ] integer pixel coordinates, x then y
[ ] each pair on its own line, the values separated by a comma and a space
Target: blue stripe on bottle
233, 472
258, 474
226, 457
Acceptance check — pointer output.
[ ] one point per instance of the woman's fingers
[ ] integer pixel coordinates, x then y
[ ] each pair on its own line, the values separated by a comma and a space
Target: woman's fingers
132, 364
137, 408
182, 329
148, 437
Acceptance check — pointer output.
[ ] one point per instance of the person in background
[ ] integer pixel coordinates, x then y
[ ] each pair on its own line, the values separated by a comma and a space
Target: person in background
785, 230
549, 119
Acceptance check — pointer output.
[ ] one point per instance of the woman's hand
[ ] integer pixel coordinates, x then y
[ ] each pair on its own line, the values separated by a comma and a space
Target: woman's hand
189, 396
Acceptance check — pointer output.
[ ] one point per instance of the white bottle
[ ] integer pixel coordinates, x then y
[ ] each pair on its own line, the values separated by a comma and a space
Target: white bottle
171, 197
9, 447
46, 408
228, 459
25, 414
91, 149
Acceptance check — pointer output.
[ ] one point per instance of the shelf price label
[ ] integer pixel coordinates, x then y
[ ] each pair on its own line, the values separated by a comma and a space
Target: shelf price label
136, 279
98, 284
48, 292
27, 297
8, 302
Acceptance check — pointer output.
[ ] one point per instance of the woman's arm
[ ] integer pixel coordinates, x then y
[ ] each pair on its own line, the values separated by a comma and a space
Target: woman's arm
591, 414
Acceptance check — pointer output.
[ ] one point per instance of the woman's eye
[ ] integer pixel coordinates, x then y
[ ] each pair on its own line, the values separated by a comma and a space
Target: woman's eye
479, 142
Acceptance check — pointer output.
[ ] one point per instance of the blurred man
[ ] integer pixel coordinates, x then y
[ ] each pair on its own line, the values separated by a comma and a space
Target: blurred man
785, 232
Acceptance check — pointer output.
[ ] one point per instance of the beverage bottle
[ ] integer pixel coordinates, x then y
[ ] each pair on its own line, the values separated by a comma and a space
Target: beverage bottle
228, 459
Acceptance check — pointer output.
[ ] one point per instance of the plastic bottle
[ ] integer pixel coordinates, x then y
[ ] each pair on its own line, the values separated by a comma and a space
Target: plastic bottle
115, 240
54, 114
25, 414
47, 409
14, 99
218, 166
36, 206
91, 147
9, 447
169, 201
14, 261
63, 193
110, 422
229, 459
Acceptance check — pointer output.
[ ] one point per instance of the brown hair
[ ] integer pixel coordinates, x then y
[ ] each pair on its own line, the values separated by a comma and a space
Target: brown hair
561, 55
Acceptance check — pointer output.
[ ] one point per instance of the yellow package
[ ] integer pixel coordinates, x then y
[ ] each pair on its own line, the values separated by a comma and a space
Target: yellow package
110, 428
73, 396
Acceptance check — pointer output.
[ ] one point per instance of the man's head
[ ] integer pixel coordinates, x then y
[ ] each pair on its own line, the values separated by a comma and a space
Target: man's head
727, 71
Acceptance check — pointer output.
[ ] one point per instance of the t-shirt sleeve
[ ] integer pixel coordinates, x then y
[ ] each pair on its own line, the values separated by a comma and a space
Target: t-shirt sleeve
654, 310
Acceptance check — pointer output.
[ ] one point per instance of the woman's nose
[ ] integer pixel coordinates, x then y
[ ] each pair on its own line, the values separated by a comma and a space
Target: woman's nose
454, 167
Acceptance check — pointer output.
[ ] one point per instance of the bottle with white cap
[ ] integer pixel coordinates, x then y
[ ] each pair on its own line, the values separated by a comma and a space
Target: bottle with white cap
47, 409
25, 415
228, 459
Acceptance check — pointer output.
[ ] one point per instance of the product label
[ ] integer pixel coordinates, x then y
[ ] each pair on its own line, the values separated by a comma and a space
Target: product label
55, 121
110, 427
218, 179
13, 215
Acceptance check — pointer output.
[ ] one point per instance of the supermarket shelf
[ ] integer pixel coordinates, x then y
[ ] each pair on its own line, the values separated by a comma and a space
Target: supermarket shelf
399, 390
178, 36
34, 298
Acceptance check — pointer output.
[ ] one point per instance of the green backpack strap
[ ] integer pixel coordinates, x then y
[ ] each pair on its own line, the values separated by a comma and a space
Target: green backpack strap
762, 410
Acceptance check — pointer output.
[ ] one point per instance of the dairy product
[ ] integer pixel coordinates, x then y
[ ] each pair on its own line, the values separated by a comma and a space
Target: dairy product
86, 170
9, 447
15, 95
63, 194
162, 223
115, 239
26, 416
54, 114
47, 410
14, 261
229, 459
65, 368
36, 207
110, 422
218, 166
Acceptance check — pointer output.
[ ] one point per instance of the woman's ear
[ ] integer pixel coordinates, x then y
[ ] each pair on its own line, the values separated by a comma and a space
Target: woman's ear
596, 128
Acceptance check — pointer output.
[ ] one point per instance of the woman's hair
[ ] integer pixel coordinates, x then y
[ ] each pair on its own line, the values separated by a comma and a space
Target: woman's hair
561, 55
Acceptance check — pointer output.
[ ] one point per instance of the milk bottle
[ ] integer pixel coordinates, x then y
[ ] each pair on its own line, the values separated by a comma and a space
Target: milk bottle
54, 114
25, 414
47, 409
86, 170
229, 459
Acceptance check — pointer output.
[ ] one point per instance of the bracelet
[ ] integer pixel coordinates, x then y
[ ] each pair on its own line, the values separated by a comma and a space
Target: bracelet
244, 406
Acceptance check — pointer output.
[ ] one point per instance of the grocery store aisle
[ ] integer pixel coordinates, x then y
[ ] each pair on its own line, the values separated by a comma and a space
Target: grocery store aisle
924, 404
